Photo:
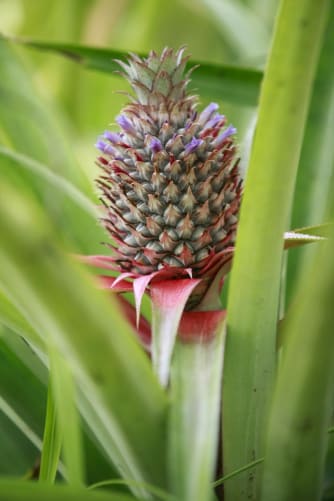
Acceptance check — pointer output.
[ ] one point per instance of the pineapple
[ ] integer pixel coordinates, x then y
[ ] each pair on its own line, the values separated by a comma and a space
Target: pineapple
170, 182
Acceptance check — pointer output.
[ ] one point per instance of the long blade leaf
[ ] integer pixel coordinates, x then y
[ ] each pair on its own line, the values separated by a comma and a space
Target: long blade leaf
52, 439
255, 281
297, 434
14, 490
229, 83
313, 184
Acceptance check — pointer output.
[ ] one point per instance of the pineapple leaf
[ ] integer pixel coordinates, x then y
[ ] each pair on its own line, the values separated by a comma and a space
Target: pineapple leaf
14, 490
230, 83
68, 311
52, 439
39, 170
250, 363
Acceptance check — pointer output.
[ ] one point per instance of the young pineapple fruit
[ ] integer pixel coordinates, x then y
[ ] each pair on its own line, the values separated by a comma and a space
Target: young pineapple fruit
171, 185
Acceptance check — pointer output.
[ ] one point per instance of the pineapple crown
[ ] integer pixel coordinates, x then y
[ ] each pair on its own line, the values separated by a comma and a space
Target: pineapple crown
170, 181
158, 79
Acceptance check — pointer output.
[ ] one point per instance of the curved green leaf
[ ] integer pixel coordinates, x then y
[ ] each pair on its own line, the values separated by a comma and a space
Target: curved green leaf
28, 126
61, 184
11, 317
22, 400
229, 83
70, 312
23, 378
158, 493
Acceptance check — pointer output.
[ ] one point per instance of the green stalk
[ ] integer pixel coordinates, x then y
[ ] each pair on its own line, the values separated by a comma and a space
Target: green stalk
194, 415
303, 399
254, 294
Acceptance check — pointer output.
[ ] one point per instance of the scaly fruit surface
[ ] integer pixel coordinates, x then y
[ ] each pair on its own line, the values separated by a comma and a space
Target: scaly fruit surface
170, 185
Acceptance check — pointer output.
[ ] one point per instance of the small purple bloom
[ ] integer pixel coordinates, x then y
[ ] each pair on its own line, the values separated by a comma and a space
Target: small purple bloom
126, 124
100, 145
210, 124
207, 112
194, 143
113, 137
155, 145
227, 132
105, 148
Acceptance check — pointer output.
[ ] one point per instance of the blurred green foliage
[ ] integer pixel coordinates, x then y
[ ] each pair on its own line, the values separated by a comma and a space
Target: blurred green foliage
86, 102
53, 110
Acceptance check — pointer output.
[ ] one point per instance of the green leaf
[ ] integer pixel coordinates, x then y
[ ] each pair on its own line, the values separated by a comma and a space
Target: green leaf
229, 83
250, 360
252, 36
87, 328
298, 238
19, 454
56, 181
16, 490
237, 472
324, 230
12, 318
249, 466
297, 435
51, 442
67, 419
158, 493
22, 400
313, 185
28, 126
23, 378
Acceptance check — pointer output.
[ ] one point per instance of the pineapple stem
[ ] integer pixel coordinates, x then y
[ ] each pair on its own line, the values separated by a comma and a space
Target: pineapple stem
194, 417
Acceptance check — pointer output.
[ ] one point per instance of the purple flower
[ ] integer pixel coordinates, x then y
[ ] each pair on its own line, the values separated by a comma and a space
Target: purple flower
126, 124
227, 132
207, 112
105, 148
113, 137
155, 145
213, 122
194, 143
